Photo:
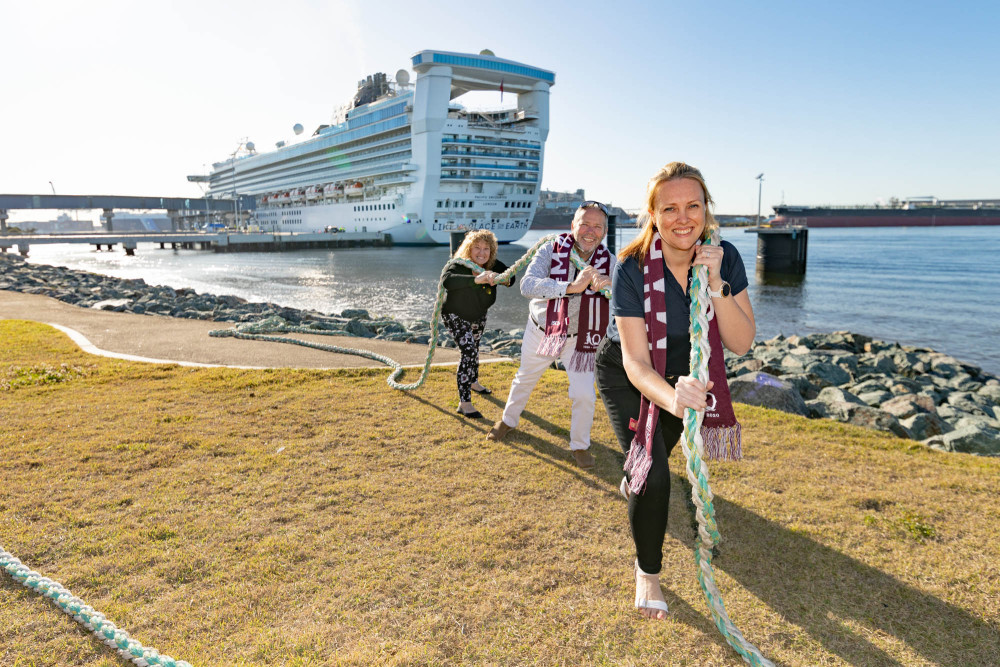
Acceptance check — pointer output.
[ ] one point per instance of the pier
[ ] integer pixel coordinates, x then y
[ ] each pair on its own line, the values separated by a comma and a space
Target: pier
225, 241
184, 212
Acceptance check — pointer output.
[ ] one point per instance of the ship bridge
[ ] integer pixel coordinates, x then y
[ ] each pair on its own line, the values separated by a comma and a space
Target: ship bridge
484, 72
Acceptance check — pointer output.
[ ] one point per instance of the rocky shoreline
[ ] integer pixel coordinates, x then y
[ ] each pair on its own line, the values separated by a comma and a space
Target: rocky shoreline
912, 392
91, 290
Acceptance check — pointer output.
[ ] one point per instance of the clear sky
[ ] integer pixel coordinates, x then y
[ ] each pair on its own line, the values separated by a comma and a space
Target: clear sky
835, 102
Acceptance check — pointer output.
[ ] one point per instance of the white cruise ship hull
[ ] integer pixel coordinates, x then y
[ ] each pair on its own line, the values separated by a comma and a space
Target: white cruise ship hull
409, 161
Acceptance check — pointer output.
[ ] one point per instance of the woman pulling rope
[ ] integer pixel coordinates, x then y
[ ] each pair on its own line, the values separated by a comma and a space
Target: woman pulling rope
654, 377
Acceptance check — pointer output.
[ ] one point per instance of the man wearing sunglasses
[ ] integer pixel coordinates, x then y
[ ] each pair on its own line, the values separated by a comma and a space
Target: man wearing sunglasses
567, 320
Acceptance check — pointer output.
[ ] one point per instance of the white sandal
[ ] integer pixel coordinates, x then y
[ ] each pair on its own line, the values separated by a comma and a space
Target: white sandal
643, 603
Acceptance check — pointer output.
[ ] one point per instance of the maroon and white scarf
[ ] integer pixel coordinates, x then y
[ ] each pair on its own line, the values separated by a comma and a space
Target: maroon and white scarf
720, 431
594, 309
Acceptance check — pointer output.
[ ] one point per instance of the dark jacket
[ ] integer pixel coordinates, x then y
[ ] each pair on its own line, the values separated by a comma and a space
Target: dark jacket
464, 297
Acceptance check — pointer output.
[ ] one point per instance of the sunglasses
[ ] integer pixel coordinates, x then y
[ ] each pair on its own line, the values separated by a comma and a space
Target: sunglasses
591, 203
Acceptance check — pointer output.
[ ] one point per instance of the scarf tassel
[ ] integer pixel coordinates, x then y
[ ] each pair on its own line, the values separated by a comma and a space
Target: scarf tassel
637, 466
551, 346
582, 362
722, 443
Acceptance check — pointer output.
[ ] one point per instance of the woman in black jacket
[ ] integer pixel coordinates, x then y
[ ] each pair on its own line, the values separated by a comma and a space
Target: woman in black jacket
468, 297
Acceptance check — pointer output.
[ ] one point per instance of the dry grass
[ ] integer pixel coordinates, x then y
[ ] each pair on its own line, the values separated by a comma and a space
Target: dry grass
232, 517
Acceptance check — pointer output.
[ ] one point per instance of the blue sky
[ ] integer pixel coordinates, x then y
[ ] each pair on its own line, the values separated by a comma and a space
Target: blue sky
836, 102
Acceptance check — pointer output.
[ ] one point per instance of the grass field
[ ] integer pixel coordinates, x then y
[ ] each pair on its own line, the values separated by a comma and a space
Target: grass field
235, 517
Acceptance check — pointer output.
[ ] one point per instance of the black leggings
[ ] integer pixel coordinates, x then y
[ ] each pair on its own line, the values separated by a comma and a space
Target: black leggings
647, 511
466, 335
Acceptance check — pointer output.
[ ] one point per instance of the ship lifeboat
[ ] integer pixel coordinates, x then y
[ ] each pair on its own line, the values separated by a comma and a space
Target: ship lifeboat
298, 196
314, 192
354, 190
282, 198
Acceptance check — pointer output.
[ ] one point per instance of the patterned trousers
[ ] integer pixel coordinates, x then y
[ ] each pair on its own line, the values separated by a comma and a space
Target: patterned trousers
467, 335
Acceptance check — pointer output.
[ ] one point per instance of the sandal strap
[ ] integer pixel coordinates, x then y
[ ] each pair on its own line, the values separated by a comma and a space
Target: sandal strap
642, 603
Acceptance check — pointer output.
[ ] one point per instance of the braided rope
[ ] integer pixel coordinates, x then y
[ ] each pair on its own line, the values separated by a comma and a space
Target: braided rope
128, 648
259, 330
697, 474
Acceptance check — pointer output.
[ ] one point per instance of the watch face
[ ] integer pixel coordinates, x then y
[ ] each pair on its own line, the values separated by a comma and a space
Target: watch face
725, 289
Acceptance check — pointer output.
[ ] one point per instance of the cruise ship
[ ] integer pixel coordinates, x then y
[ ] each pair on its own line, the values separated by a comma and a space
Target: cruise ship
408, 159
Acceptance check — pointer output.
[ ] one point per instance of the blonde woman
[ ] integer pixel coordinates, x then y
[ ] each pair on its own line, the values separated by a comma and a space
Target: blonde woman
467, 298
643, 364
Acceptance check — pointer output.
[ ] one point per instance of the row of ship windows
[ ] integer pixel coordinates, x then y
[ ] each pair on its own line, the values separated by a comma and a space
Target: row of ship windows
468, 204
375, 207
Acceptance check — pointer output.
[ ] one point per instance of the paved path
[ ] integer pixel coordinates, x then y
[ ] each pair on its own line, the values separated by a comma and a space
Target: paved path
160, 339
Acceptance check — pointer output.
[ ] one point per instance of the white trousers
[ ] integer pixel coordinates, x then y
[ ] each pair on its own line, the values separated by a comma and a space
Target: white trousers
581, 386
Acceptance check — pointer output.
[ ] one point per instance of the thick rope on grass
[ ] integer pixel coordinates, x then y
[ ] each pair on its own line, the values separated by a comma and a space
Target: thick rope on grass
272, 325
697, 474
128, 648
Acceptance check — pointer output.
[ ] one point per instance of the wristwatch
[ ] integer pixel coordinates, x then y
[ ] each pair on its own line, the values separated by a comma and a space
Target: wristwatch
724, 292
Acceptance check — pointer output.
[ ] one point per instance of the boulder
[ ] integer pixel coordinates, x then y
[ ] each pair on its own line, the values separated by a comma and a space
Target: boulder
875, 398
806, 388
924, 425
825, 374
902, 407
869, 417
970, 439
766, 390
117, 305
830, 395
356, 328
356, 313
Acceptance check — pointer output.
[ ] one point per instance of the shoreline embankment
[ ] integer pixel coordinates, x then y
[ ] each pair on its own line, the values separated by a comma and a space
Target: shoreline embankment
910, 391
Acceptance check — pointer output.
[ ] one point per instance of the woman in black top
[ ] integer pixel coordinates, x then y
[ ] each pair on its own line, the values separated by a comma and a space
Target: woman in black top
468, 297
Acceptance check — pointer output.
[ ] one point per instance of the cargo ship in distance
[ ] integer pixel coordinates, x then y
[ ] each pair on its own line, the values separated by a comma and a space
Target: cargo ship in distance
409, 160
922, 212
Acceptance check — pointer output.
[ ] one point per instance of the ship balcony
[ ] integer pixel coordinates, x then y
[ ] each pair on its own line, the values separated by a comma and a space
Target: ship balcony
492, 142
505, 156
524, 178
453, 166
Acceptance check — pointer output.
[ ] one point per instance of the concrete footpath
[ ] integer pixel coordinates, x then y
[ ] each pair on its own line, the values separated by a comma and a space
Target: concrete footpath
159, 339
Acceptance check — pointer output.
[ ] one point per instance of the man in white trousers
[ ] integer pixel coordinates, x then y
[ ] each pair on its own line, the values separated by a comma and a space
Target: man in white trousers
567, 319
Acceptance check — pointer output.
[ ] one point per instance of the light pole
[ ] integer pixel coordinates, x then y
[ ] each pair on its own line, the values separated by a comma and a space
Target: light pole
760, 188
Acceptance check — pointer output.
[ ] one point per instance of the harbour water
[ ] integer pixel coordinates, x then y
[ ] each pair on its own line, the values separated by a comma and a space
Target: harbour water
926, 286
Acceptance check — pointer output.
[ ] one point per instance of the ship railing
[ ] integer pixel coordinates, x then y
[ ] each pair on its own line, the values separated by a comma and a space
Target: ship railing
488, 154
525, 179
452, 165
494, 142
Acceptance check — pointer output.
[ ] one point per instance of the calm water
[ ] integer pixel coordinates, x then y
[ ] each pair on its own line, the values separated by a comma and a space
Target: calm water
935, 287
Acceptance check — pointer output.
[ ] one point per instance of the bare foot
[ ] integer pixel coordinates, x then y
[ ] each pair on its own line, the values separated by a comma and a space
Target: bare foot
649, 598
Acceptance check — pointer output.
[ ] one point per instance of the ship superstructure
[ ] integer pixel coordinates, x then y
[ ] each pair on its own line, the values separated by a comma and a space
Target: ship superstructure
408, 160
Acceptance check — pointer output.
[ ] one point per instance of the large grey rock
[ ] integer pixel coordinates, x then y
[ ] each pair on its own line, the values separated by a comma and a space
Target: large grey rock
807, 390
869, 417
768, 391
967, 402
907, 405
970, 439
825, 374
875, 398
924, 425
832, 395
990, 392
356, 328
116, 305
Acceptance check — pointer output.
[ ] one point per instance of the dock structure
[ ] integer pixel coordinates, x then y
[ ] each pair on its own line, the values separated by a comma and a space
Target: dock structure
224, 241
184, 212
